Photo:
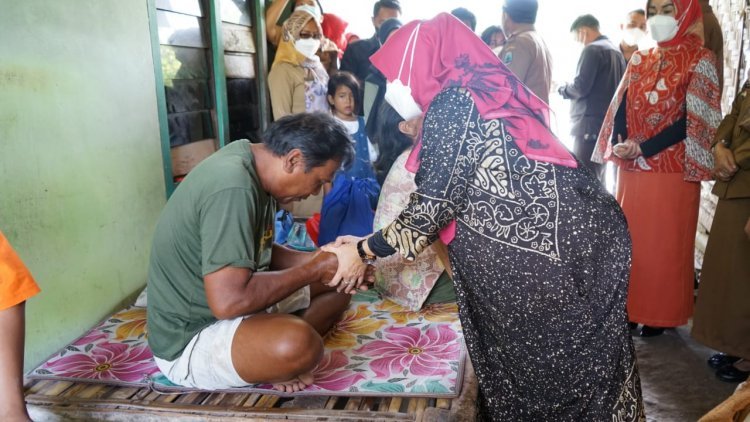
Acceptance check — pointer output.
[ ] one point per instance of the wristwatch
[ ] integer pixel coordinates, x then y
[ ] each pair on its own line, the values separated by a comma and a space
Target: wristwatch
366, 259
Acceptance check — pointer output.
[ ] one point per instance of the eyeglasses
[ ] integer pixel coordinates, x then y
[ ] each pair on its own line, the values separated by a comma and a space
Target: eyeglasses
308, 35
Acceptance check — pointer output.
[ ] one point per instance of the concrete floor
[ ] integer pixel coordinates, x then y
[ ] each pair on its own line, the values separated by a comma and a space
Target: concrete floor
678, 385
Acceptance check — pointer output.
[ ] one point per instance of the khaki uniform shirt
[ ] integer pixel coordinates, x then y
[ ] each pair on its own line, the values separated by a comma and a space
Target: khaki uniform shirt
732, 132
527, 56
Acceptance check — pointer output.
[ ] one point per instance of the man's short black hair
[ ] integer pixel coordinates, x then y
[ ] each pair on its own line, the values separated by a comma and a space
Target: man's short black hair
588, 21
463, 14
388, 4
317, 135
637, 12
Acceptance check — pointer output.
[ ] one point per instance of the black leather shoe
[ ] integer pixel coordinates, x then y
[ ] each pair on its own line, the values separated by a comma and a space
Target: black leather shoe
721, 360
648, 331
731, 374
632, 325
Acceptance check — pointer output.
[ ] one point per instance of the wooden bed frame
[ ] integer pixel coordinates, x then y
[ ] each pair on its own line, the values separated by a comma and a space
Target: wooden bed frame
64, 400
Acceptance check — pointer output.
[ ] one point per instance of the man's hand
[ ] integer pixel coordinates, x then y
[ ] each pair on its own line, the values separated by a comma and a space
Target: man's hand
627, 150
324, 264
724, 165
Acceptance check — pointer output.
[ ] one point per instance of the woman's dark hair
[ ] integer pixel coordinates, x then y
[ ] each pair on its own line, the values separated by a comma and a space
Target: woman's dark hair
390, 140
348, 80
317, 135
489, 32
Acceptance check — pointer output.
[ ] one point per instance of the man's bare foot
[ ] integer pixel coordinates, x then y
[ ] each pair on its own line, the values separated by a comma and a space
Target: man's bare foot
298, 384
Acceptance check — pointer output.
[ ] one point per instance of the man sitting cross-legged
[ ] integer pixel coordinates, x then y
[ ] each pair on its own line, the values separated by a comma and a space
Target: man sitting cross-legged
220, 293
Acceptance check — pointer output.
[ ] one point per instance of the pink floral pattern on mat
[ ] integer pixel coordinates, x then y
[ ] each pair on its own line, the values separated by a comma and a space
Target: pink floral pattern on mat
378, 348
108, 361
423, 353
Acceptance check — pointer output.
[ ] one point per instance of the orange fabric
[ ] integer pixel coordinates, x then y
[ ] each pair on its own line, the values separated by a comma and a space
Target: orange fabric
16, 282
662, 214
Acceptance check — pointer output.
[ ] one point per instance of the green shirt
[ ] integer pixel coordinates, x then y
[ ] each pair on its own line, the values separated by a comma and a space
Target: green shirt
218, 216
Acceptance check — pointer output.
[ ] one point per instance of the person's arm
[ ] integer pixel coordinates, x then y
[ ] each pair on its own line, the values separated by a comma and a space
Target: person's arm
726, 127
433, 205
725, 166
281, 90
233, 255
703, 110
273, 13
671, 135
284, 257
620, 128
233, 291
585, 76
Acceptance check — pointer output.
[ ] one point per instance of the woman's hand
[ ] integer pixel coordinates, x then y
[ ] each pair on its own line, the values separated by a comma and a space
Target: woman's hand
724, 165
344, 240
351, 270
626, 150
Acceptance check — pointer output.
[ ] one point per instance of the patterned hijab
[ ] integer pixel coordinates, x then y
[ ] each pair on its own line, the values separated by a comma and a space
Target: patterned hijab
290, 33
446, 53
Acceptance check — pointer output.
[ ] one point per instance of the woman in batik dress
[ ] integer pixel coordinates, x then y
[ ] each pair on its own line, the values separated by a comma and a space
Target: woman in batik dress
539, 250
658, 131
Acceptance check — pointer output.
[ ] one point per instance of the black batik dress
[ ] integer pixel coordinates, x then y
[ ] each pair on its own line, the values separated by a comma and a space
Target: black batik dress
540, 259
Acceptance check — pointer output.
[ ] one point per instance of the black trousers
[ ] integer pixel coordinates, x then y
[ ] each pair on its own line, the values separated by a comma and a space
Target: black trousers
583, 147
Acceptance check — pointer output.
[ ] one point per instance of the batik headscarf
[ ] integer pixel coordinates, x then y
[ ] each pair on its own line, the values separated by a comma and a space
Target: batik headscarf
676, 79
432, 55
290, 33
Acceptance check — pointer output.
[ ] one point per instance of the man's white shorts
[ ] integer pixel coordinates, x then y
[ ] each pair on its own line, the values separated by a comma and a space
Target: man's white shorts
206, 361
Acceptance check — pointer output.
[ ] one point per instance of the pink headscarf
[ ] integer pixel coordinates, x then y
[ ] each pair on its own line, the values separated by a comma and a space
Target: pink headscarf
446, 53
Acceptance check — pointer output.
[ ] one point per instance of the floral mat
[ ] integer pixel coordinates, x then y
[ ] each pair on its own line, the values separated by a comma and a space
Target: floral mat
378, 348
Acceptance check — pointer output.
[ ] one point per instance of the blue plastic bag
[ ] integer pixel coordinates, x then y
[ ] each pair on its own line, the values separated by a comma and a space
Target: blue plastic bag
291, 233
348, 209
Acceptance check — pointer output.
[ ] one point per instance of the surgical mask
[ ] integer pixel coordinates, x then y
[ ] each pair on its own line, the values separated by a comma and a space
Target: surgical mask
312, 10
632, 36
308, 47
662, 28
398, 95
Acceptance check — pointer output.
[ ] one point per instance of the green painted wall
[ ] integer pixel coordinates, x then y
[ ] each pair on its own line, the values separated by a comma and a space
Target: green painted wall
81, 181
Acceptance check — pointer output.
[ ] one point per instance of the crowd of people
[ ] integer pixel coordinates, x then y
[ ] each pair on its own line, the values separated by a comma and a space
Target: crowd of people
551, 272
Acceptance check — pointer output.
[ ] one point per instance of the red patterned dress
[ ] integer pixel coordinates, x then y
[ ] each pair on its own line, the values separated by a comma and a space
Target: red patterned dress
668, 102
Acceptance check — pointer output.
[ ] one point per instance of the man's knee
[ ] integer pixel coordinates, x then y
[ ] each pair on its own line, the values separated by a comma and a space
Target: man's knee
297, 344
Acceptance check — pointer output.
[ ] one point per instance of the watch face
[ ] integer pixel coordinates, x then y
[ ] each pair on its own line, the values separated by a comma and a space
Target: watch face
368, 261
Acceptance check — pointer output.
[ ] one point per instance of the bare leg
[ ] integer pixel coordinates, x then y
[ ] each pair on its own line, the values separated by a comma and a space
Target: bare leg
283, 349
12, 328
326, 307
278, 349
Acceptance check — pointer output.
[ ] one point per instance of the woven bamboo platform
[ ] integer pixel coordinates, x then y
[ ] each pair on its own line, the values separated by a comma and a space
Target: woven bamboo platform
63, 400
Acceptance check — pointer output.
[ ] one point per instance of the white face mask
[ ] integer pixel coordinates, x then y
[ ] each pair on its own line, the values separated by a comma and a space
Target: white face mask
662, 28
308, 47
632, 36
398, 95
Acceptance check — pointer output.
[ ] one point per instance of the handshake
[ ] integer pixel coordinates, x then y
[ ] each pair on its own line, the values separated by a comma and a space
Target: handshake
342, 267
